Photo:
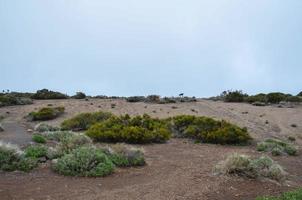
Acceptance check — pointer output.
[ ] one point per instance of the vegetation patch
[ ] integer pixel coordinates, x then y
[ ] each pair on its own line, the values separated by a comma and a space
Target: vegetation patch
293, 195
11, 99
42, 127
46, 113
35, 151
123, 155
48, 94
139, 129
83, 121
12, 158
84, 161
242, 165
208, 130
277, 147
39, 138
79, 95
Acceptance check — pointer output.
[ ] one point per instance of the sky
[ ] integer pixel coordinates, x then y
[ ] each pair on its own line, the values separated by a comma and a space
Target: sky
140, 47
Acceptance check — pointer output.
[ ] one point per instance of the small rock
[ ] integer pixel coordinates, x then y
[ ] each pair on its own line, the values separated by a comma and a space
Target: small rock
1, 128
258, 103
42, 159
29, 130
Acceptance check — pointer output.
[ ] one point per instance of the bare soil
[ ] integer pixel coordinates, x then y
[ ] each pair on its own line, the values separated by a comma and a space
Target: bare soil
178, 169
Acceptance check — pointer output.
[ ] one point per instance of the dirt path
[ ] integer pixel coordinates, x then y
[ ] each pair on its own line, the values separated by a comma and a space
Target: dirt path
15, 133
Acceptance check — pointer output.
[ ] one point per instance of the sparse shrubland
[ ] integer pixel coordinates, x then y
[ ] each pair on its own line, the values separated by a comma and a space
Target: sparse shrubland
48, 94
277, 147
46, 113
139, 129
293, 195
208, 130
242, 165
84, 120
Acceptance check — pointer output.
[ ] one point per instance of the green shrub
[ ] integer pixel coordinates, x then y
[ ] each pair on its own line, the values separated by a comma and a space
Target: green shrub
153, 99
12, 158
208, 130
294, 195
243, 165
134, 99
84, 120
48, 94
27, 164
46, 114
294, 99
139, 129
234, 96
256, 98
35, 151
124, 156
79, 95
11, 100
300, 94
39, 138
276, 97
84, 161
277, 147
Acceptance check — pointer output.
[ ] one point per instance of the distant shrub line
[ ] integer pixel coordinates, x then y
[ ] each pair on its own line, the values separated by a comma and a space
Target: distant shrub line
270, 98
159, 100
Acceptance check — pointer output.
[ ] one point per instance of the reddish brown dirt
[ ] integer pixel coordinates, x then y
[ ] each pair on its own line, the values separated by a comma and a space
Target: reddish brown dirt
178, 169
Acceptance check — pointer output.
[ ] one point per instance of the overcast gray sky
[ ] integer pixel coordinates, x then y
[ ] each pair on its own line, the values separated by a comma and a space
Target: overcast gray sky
138, 47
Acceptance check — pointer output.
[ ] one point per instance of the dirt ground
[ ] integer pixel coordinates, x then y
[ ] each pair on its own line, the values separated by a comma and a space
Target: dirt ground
178, 169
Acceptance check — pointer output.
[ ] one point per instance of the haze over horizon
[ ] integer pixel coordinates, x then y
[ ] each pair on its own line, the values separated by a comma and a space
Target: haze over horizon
134, 47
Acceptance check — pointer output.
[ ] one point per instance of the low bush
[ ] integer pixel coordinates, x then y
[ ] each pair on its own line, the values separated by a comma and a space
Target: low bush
134, 99
79, 95
139, 129
233, 96
84, 161
12, 158
243, 165
256, 98
48, 94
84, 120
294, 99
208, 130
300, 94
293, 195
277, 147
39, 138
153, 99
35, 151
11, 100
125, 156
46, 114
276, 97
42, 127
